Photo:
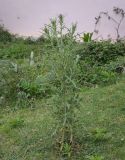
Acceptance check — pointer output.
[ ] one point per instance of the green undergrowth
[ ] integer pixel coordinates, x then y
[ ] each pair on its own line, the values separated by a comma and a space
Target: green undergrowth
27, 133
61, 98
17, 50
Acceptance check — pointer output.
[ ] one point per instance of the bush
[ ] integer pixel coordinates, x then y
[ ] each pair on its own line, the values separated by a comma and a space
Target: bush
30, 40
117, 65
92, 75
34, 89
100, 53
5, 35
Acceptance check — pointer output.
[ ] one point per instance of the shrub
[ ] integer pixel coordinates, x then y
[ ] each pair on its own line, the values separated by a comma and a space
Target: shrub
5, 35
34, 89
113, 66
100, 53
30, 40
92, 75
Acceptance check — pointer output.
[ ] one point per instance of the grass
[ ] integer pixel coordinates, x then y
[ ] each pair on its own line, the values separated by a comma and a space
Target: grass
103, 117
26, 133
27, 141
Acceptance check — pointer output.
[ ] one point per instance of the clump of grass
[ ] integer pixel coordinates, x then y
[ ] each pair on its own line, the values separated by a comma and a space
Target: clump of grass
16, 123
99, 134
96, 157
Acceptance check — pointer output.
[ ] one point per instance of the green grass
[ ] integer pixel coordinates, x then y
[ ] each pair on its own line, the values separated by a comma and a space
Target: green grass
28, 141
26, 133
102, 121
18, 50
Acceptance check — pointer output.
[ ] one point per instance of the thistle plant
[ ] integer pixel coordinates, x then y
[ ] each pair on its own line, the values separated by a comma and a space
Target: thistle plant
64, 68
66, 100
57, 33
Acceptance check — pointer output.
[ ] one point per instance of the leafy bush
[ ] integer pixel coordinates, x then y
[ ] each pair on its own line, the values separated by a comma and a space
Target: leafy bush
30, 40
100, 53
95, 74
95, 60
34, 89
119, 63
5, 35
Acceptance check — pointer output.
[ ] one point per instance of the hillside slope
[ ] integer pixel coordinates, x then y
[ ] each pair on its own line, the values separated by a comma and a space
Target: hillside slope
26, 133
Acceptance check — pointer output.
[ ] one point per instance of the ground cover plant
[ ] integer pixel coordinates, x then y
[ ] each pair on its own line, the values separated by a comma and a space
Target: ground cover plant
61, 98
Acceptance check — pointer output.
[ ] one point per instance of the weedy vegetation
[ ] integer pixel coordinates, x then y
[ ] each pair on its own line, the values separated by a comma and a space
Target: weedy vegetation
62, 98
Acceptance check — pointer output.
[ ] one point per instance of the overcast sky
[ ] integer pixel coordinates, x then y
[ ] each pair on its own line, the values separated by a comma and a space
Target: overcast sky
26, 17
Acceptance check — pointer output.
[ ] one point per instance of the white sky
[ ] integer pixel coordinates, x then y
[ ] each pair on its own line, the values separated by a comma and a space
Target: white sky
35, 13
